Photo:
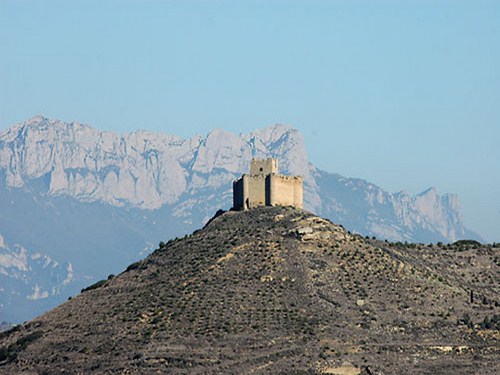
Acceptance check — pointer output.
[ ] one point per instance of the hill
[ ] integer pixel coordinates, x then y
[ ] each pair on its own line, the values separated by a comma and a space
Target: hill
276, 290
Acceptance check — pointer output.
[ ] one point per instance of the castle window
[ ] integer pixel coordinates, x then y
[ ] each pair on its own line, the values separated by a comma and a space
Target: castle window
261, 169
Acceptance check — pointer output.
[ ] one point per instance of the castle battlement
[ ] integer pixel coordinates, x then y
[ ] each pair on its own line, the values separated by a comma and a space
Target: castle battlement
287, 178
265, 187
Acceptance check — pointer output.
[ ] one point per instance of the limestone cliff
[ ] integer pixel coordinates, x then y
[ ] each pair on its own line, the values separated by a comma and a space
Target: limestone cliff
142, 169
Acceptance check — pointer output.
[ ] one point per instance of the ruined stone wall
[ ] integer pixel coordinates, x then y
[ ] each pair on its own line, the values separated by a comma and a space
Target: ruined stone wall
285, 191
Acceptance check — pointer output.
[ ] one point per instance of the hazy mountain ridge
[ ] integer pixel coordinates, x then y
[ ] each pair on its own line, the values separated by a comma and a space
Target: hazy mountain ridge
149, 170
30, 280
94, 199
367, 209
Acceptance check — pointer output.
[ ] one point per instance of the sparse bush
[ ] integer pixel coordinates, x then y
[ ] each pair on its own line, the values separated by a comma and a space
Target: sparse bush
94, 286
486, 324
133, 266
466, 243
466, 320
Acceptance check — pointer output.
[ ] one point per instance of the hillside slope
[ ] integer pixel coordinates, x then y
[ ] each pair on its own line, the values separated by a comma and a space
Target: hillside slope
276, 290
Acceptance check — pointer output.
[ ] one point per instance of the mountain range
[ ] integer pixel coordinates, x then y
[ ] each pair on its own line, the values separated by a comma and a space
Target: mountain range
78, 204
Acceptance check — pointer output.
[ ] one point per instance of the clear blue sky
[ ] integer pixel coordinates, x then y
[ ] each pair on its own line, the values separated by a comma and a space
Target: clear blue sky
405, 94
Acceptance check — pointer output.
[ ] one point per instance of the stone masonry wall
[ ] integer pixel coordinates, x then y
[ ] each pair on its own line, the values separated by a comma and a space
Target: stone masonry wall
285, 190
256, 192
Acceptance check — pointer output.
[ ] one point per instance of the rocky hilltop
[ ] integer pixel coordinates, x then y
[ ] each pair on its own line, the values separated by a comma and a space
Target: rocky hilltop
280, 291
78, 204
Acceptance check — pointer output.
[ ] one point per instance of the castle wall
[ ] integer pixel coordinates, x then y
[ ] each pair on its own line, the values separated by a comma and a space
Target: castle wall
285, 191
249, 192
256, 190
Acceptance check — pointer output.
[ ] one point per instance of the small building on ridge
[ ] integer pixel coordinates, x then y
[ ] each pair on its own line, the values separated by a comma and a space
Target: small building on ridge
264, 186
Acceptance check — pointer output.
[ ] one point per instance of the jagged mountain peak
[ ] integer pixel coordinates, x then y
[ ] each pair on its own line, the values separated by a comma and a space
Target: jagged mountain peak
271, 133
432, 191
42, 123
141, 168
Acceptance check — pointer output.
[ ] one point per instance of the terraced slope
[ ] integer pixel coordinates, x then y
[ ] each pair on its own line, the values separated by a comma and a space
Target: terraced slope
276, 290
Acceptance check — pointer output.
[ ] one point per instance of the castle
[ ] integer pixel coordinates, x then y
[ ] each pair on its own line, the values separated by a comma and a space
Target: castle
265, 187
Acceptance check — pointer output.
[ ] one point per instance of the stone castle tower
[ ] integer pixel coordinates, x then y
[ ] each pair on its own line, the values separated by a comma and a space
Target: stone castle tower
265, 187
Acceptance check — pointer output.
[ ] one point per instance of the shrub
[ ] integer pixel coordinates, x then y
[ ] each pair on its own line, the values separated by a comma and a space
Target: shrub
94, 286
486, 324
466, 243
133, 266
